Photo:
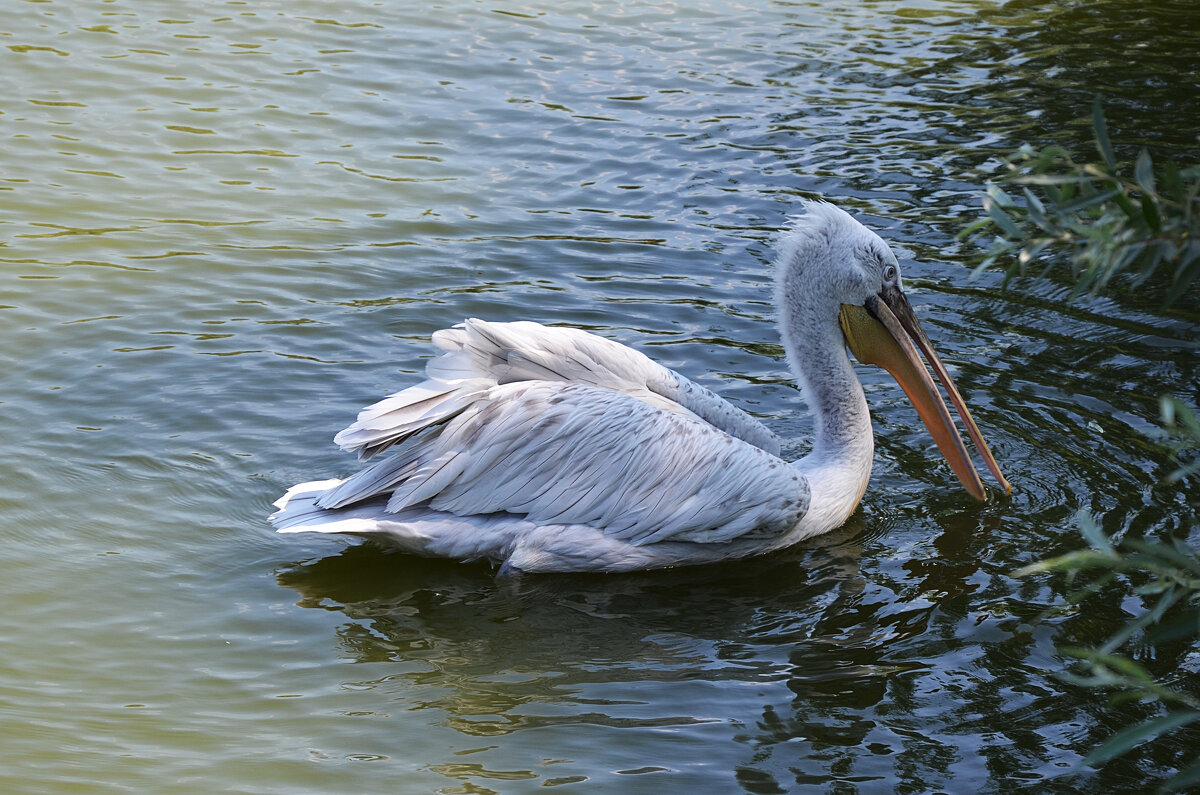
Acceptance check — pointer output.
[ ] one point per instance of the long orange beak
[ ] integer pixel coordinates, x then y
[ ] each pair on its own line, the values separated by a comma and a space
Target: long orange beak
879, 333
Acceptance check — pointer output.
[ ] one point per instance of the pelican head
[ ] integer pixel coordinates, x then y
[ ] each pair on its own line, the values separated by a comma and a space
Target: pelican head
839, 286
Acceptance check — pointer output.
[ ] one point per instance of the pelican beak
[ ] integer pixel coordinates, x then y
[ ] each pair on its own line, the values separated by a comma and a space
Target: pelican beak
883, 331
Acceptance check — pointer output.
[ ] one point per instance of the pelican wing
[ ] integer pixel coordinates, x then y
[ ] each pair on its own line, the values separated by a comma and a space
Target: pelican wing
477, 355
576, 454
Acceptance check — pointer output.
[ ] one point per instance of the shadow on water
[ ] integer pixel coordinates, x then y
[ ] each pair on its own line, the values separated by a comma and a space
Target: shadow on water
802, 638
896, 652
580, 621
843, 660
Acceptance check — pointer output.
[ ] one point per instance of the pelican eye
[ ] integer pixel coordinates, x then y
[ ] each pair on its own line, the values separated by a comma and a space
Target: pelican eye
890, 274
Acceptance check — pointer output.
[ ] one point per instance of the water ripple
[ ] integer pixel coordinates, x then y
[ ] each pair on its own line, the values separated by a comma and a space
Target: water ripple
224, 232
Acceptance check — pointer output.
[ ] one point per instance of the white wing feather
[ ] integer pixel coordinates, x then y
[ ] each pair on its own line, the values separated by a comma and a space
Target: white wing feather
552, 449
576, 454
477, 355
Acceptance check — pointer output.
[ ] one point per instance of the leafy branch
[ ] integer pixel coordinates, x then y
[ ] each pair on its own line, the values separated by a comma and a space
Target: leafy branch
1102, 223
1106, 221
1173, 589
1182, 432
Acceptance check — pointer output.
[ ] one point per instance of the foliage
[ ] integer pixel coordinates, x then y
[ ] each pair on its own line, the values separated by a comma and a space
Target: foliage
1172, 592
1183, 435
1108, 222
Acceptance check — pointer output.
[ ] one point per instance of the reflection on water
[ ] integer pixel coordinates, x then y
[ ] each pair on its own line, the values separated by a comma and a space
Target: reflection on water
690, 653
223, 229
822, 664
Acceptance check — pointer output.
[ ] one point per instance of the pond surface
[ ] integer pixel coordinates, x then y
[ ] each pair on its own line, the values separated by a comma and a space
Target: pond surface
225, 228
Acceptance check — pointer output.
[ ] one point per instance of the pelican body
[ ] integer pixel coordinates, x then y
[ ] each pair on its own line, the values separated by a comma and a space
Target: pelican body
551, 449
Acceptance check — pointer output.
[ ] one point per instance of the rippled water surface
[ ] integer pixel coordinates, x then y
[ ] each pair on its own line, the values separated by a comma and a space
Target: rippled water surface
224, 227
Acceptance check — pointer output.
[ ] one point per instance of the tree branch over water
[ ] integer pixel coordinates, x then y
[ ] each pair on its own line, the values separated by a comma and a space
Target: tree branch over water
1101, 223
1094, 218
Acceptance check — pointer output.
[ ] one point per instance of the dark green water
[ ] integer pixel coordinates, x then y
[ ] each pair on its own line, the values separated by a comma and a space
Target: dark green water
225, 228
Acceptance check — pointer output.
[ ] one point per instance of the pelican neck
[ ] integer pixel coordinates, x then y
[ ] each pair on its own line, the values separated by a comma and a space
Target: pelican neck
839, 465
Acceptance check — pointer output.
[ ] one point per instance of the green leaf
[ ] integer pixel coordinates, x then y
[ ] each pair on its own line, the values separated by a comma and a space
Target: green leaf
1134, 673
1037, 211
1133, 213
1105, 679
1169, 597
1183, 548
1166, 408
1185, 778
1155, 586
1088, 201
1050, 179
1184, 472
1186, 273
973, 228
1151, 214
1032, 249
1091, 589
1143, 173
1103, 145
1163, 554
1173, 181
1180, 413
997, 194
1094, 535
1083, 559
1122, 697
1133, 736
1002, 219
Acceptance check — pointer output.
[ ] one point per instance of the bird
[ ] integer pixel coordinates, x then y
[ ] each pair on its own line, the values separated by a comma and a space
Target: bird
552, 449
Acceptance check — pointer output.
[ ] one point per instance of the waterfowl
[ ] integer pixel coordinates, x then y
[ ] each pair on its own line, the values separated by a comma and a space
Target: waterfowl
552, 449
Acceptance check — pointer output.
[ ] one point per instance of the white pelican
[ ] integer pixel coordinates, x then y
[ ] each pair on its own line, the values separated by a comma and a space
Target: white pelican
552, 449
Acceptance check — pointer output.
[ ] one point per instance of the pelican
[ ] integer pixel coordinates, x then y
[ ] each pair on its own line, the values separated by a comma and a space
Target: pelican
552, 449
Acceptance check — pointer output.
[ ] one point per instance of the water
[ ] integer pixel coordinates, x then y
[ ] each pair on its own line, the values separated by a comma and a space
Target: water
226, 228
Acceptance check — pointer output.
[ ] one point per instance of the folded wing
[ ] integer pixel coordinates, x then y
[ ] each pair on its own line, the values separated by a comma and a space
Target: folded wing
478, 355
576, 454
